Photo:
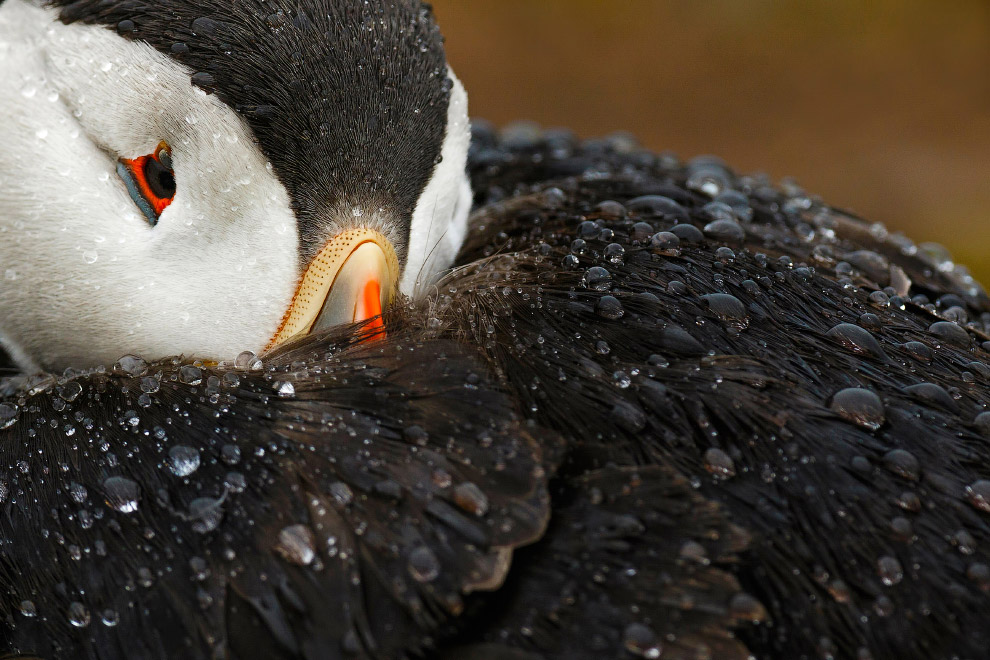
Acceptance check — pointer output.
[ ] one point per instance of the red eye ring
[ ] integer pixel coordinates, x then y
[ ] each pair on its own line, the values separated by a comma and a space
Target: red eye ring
150, 180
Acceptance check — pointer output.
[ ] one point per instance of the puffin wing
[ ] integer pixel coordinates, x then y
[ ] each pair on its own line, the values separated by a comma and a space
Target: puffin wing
341, 501
634, 562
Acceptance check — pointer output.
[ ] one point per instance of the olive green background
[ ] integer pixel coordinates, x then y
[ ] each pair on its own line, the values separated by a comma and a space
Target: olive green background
879, 106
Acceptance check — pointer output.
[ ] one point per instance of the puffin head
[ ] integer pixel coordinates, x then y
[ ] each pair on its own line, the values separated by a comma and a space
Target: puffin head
204, 178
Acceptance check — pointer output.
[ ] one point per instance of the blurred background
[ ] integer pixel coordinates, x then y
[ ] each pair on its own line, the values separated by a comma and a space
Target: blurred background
882, 107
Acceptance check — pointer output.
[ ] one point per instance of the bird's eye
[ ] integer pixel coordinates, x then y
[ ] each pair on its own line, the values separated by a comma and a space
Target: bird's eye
150, 181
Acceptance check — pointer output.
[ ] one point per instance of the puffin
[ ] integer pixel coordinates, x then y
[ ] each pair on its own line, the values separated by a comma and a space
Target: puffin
303, 364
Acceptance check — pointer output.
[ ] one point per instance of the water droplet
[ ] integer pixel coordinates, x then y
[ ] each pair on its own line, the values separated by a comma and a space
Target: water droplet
708, 178
931, 395
737, 202
110, 618
641, 641
122, 494
628, 417
870, 321
183, 460
205, 513
694, 551
9, 413
235, 482
230, 453
611, 210
879, 299
678, 341
902, 528
982, 423
70, 391
687, 233
725, 231
297, 544
131, 365
248, 360
341, 492
285, 389
423, 565
131, 418
656, 360
190, 375
909, 501
859, 406
589, 230
956, 315
964, 541
150, 385
597, 278
826, 648
615, 253
145, 577
666, 243
883, 606
979, 573
902, 463
622, 379
918, 351
889, 570
857, 340
470, 498
840, 591
861, 464
610, 308
978, 493
745, 607
28, 608
200, 568
78, 615
873, 265
719, 463
659, 207
415, 434
951, 334
727, 307
641, 232
78, 492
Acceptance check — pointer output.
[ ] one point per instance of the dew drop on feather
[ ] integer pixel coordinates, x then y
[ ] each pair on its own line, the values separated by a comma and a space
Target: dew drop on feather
297, 544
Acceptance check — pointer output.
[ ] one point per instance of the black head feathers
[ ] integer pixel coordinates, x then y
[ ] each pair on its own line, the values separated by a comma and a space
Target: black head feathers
347, 99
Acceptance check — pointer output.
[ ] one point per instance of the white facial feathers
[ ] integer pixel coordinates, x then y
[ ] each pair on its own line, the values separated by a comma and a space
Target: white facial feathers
440, 219
83, 276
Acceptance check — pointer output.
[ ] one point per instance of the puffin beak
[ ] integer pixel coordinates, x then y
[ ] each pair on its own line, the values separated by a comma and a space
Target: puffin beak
353, 278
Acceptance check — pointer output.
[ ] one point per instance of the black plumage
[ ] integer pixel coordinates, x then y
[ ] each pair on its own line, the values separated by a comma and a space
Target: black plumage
684, 437
723, 353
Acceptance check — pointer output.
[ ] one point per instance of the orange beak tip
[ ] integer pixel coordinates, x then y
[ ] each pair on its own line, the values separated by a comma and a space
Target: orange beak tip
370, 307
351, 279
